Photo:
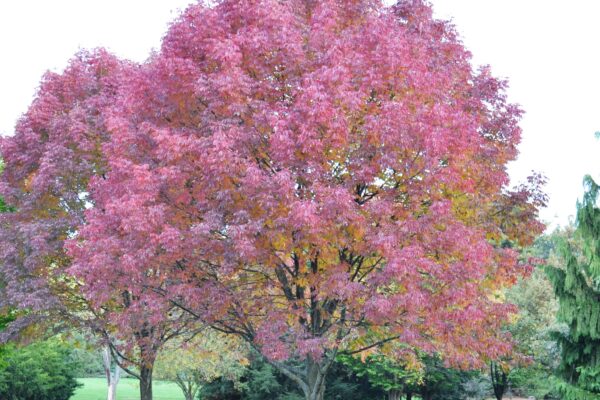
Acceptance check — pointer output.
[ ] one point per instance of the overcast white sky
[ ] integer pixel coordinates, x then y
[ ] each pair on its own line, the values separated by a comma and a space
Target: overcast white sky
548, 49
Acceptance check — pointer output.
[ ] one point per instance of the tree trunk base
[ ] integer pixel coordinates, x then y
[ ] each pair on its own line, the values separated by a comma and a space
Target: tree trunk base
146, 383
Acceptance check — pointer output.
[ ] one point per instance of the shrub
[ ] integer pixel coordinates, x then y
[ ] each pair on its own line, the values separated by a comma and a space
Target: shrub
38, 371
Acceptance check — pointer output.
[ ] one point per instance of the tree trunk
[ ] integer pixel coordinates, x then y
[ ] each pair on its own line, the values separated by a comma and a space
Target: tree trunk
408, 395
499, 380
112, 392
187, 386
312, 380
112, 388
316, 381
426, 396
146, 383
112, 378
394, 395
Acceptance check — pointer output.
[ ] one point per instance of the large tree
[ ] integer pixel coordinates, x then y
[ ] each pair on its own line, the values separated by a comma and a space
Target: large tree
316, 177
576, 285
57, 147
312, 176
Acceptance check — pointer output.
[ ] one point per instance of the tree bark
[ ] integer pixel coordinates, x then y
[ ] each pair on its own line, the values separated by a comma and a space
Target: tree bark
187, 386
188, 394
408, 395
394, 395
426, 396
112, 392
311, 380
112, 378
499, 380
146, 383
316, 381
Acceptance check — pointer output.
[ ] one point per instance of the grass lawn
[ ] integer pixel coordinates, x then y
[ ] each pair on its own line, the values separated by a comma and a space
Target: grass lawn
128, 389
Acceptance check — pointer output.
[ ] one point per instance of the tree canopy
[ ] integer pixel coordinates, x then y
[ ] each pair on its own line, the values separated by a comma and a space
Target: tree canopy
314, 177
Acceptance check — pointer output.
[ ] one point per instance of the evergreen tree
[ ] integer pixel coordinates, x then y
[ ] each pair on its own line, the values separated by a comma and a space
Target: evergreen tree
577, 287
386, 374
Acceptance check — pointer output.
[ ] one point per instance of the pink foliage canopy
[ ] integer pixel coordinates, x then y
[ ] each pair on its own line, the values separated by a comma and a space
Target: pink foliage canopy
309, 175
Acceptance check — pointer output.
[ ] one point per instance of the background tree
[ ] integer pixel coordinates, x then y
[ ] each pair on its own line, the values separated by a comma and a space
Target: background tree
112, 375
393, 378
313, 177
47, 164
343, 383
430, 379
499, 377
576, 287
203, 359
532, 327
443, 383
57, 147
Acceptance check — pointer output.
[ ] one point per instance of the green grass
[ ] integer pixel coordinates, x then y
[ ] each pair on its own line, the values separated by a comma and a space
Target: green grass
128, 389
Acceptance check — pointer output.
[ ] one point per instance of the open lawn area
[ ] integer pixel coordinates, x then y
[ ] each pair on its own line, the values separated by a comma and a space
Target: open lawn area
128, 389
